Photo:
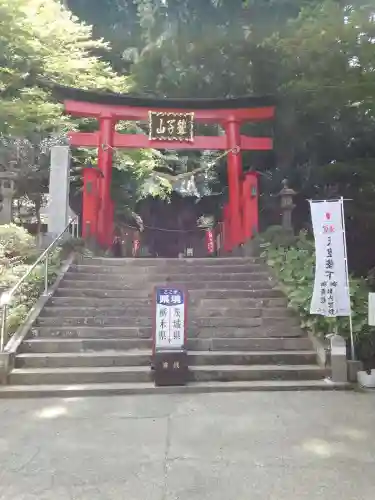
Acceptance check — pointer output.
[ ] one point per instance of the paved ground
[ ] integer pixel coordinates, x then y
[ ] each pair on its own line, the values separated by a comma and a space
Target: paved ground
250, 446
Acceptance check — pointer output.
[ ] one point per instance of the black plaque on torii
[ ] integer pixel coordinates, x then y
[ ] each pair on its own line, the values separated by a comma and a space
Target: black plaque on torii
165, 126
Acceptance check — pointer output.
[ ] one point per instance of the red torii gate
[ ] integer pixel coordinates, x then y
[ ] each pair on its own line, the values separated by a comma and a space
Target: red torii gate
109, 108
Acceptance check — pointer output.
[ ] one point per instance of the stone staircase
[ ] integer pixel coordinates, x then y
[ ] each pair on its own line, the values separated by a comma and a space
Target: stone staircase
94, 335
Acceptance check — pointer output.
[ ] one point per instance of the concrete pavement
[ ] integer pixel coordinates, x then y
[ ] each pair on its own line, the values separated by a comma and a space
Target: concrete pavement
240, 446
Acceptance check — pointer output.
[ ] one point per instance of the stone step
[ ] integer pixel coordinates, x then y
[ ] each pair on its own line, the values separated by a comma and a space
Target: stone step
76, 345
97, 293
164, 277
96, 321
126, 374
256, 343
99, 311
231, 373
160, 262
94, 335
144, 294
144, 358
78, 375
134, 304
249, 332
193, 325
280, 301
164, 270
88, 332
84, 359
147, 312
252, 358
228, 286
144, 332
87, 390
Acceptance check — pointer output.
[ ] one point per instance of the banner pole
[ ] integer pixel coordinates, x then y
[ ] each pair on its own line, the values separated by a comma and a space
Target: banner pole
352, 347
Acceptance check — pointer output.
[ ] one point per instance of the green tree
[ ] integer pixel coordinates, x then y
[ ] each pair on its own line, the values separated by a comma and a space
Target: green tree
115, 21
316, 56
324, 139
39, 41
42, 43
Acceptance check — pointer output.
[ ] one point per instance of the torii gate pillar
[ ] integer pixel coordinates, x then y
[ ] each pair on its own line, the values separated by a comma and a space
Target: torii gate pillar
234, 182
105, 158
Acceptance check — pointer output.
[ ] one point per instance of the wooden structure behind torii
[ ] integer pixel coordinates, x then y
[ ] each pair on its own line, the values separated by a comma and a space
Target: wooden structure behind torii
109, 108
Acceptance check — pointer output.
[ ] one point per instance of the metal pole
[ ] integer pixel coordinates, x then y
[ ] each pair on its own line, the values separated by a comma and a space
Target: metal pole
46, 276
352, 347
3, 327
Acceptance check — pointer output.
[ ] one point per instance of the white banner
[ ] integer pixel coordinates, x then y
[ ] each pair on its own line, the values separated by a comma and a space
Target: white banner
331, 295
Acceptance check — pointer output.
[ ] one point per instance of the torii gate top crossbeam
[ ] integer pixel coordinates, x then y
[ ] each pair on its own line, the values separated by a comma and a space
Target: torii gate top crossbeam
129, 107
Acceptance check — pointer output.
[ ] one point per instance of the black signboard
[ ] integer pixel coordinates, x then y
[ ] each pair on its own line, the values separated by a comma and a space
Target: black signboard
171, 126
171, 367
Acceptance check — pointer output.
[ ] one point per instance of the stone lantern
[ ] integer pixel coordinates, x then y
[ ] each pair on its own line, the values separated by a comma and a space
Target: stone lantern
287, 206
7, 190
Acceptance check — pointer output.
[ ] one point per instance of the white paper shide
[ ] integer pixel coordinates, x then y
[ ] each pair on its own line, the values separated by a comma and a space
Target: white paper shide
331, 295
170, 318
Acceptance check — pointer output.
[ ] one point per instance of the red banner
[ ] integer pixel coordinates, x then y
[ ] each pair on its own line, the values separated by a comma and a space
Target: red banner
210, 241
136, 247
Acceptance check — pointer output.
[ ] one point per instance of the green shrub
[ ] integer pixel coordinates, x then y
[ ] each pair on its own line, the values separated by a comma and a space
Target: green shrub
30, 291
76, 245
16, 242
278, 236
294, 266
18, 252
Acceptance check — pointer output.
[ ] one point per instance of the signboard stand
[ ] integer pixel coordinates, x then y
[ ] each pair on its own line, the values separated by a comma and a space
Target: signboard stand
331, 295
170, 361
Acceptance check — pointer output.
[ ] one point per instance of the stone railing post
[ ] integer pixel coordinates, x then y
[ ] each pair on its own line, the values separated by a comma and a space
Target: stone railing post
58, 197
7, 190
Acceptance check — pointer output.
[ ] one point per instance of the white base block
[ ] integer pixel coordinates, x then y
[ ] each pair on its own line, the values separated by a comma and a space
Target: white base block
366, 379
